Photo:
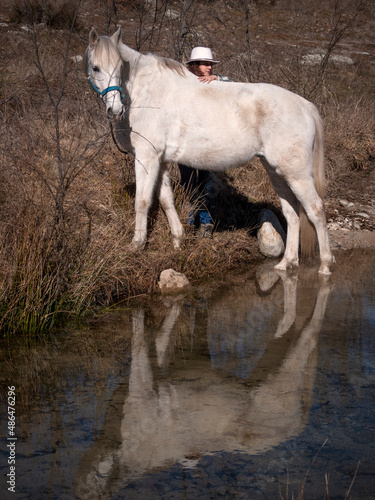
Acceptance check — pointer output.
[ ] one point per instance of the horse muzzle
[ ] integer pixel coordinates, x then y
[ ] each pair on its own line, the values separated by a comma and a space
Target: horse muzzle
114, 106
118, 115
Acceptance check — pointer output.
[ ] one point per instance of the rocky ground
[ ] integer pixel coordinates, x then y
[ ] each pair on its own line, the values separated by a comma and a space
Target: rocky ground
350, 207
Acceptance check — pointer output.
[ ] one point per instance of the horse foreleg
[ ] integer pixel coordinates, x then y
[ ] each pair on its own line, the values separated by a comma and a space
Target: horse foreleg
166, 199
146, 174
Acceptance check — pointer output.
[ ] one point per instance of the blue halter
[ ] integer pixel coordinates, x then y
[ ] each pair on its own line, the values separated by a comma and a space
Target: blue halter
106, 90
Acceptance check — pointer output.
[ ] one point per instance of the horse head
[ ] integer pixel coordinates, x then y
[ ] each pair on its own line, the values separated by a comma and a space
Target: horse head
104, 71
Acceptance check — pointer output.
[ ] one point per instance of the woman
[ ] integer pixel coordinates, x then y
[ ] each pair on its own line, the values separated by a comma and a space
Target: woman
193, 180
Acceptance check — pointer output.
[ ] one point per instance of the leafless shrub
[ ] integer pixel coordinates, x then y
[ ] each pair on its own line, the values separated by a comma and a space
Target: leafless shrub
58, 14
350, 139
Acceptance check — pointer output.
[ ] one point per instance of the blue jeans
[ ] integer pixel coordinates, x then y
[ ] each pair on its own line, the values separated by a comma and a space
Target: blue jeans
196, 181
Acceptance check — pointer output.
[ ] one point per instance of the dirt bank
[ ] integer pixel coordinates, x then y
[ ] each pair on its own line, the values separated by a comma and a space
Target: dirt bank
350, 207
348, 239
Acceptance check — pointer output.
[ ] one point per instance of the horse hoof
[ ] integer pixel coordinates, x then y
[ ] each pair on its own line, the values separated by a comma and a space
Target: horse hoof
279, 267
324, 270
135, 247
177, 244
285, 266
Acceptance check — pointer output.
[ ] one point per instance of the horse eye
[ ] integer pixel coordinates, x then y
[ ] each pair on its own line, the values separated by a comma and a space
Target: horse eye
95, 69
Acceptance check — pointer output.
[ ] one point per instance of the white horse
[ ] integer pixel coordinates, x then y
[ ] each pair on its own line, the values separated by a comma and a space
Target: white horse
162, 113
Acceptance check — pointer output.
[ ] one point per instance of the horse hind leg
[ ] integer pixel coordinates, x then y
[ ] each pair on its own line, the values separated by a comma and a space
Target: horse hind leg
290, 208
314, 207
295, 190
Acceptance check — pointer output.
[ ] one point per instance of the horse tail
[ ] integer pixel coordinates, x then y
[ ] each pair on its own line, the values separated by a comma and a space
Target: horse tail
308, 233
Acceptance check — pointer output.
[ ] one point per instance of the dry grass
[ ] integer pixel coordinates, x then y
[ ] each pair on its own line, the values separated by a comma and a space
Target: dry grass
66, 193
350, 141
301, 494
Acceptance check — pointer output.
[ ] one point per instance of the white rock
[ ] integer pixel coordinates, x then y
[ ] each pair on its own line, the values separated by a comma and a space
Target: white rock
333, 226
171, 281
266, 276
342, 59
271, 236
317, 57
173, 14
76, 59
363, 215
344, 203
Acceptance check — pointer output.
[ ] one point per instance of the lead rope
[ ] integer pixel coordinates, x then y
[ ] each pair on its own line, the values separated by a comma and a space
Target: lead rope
115, 141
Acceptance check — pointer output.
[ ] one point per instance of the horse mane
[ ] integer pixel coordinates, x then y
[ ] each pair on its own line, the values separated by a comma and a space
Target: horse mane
106, 50
171, 65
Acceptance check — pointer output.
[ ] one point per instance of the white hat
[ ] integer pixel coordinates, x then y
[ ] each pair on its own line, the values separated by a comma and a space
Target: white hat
201, 54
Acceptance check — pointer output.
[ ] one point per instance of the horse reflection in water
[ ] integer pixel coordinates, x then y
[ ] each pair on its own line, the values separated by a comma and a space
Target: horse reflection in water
217, 405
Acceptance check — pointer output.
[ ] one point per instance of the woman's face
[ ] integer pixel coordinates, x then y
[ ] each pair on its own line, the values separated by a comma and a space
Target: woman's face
201, 68
205, 68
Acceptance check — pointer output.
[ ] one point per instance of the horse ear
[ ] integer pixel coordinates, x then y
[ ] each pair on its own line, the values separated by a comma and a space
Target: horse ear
116, 37
93, 37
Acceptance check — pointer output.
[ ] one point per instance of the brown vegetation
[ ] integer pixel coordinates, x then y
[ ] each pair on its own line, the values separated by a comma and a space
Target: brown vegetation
66, 192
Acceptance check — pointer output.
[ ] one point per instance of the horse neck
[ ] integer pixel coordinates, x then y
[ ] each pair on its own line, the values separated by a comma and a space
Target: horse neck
130, 56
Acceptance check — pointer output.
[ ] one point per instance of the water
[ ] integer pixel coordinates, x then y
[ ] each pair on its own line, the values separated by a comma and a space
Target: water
255, 389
